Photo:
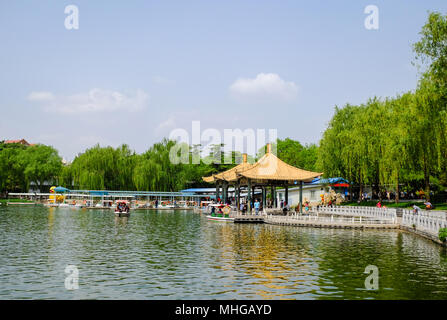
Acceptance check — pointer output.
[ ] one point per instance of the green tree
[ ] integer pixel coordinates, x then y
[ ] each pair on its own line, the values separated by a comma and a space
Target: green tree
41, 163
12, 168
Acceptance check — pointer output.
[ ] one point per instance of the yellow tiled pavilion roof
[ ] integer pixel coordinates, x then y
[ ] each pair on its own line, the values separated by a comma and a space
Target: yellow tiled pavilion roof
208, 179
230, 174
270, 167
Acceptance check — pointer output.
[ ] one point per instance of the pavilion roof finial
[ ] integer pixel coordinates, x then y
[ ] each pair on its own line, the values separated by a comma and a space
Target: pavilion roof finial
244, 158
269, 148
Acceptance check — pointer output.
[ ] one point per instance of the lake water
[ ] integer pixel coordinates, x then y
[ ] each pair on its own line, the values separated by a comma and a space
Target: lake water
182, 255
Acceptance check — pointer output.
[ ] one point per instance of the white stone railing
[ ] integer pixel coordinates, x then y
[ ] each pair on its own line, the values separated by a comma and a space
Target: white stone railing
424, 221
370, 212
333, 219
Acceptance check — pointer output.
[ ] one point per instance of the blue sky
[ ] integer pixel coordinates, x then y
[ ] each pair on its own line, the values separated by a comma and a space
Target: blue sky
136, 70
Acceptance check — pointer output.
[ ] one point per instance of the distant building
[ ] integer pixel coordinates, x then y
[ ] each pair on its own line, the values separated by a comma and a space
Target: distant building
44, 188
21, 141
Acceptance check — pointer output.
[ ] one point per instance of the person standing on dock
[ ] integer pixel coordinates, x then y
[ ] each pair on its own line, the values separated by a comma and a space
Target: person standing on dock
256, 206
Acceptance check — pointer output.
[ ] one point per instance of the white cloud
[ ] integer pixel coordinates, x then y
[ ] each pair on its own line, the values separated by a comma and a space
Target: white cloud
162, 80
165, 126
265, 87
93, 101
40, 96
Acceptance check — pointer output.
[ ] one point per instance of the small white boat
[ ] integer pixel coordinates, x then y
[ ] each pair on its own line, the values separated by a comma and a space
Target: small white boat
215, 218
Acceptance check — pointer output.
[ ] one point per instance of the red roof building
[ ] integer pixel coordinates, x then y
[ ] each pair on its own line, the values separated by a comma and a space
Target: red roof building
22, 142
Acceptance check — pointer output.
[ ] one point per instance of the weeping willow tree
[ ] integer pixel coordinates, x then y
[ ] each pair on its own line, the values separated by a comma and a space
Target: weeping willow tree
396, 140
101, 168
338, 155
155, 170
431, 103
386, 143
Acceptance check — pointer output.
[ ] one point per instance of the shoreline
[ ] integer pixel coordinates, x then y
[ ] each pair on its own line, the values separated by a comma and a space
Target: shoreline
291, 221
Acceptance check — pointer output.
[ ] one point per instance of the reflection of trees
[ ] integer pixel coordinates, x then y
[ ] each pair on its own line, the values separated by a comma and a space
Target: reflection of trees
403, 260
286, 262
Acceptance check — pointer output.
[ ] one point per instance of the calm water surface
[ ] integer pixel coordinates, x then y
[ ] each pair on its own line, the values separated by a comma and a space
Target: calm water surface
182, 255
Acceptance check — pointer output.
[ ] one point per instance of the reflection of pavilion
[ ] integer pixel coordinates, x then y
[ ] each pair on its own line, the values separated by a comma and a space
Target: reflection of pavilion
259, 261
269, 170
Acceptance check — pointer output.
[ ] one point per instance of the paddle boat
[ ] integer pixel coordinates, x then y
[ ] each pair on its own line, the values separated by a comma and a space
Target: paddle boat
222, 214
166, 205
122, 208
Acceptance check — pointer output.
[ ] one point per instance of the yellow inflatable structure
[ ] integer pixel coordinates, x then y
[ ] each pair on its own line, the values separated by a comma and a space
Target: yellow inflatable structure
59, 198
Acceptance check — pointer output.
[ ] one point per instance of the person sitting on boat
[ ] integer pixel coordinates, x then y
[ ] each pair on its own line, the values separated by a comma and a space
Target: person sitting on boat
213, 210
126, 208
220, 210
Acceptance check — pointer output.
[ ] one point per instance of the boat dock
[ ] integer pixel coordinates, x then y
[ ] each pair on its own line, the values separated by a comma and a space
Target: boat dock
107, 199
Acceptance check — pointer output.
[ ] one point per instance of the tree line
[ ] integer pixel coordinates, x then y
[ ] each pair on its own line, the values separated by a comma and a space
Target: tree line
108, 168
398, 141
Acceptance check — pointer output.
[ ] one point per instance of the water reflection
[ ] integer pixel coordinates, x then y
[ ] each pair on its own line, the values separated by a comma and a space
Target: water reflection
182, 255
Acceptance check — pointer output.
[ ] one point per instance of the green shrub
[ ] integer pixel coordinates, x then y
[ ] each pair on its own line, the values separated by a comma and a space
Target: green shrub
443, 234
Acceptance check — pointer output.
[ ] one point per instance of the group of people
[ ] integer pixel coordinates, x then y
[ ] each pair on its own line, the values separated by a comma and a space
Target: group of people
256, 205
416, 208
123, 207
428, 206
